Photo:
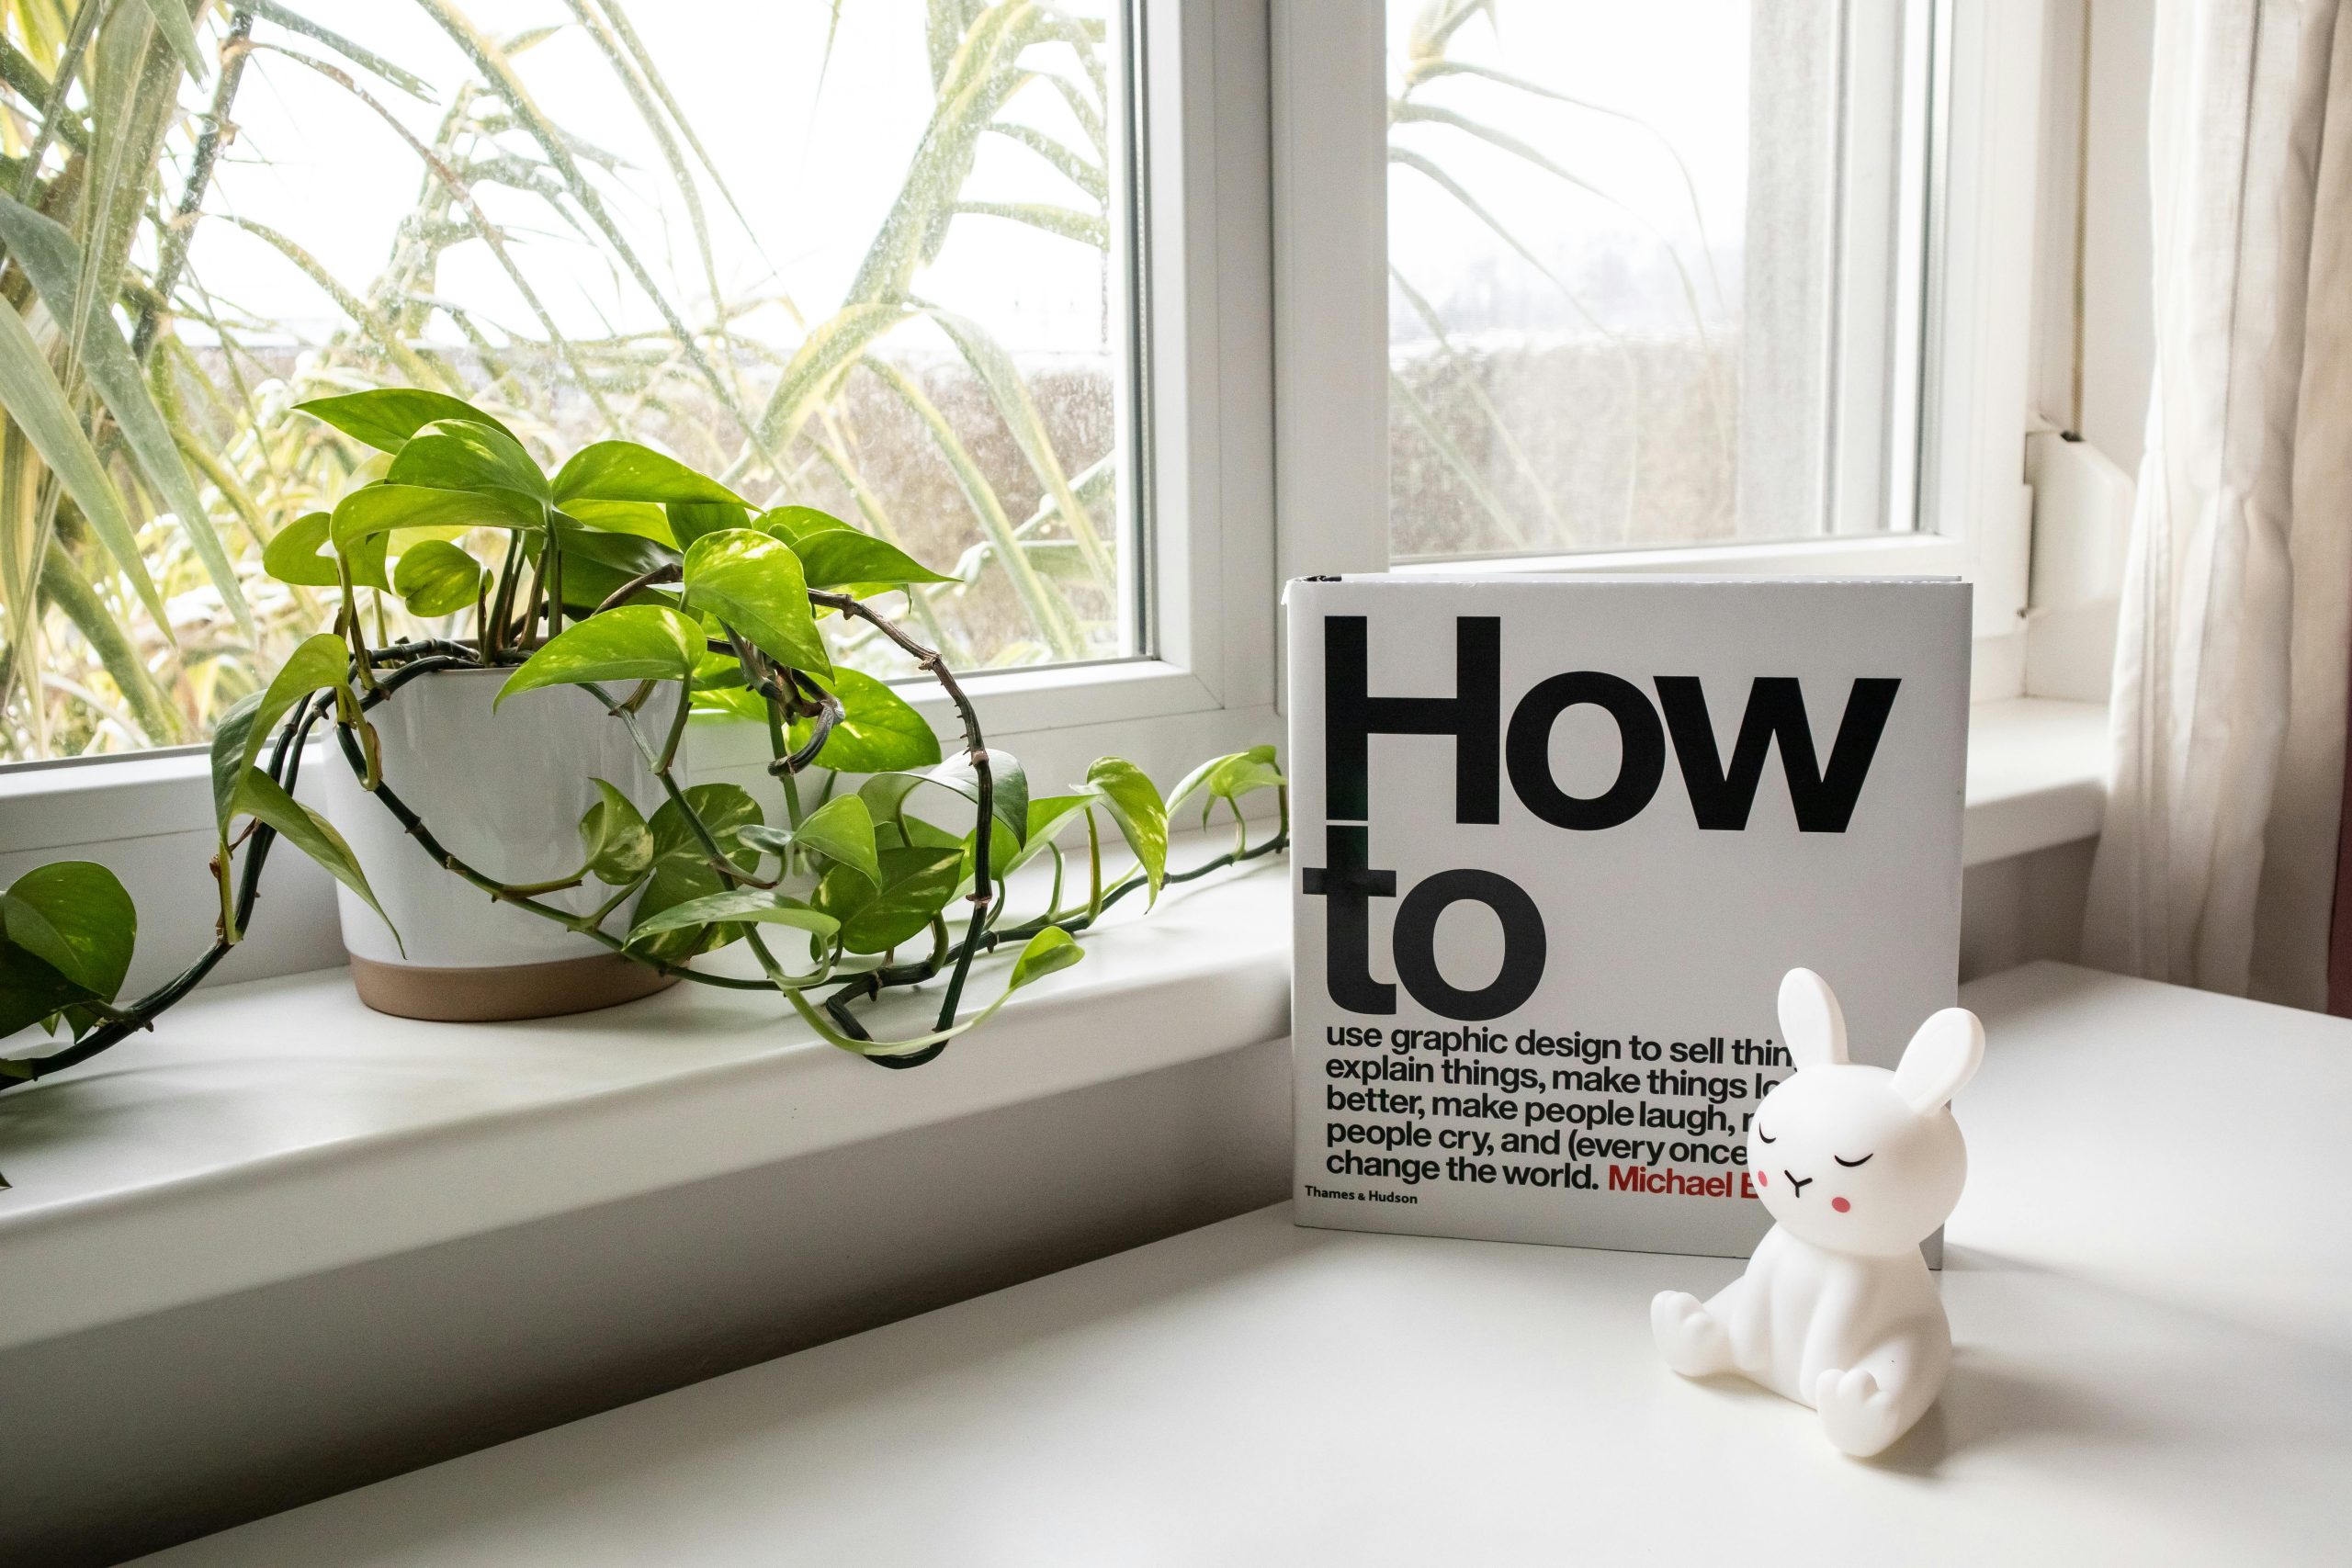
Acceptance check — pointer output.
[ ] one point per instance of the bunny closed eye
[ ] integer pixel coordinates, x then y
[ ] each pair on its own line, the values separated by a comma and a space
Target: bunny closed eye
1850, 1163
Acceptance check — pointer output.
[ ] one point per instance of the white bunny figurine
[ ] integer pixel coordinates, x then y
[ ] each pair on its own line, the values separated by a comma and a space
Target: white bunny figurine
1857, 1166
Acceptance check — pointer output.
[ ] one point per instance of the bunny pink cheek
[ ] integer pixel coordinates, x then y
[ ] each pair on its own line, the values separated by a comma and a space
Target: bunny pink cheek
1761, 1179
1840, 1204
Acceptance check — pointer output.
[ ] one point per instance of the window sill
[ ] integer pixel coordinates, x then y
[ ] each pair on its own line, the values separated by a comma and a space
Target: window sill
277, 1129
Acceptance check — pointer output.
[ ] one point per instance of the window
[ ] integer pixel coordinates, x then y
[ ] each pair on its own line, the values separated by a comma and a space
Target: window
1655, 273
875, 258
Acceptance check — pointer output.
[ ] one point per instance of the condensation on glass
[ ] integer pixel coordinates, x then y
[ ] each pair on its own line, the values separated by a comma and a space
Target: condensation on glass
872, 258
1652, 272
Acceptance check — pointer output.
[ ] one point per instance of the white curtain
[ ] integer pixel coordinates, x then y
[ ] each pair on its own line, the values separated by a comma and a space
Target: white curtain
2217, 865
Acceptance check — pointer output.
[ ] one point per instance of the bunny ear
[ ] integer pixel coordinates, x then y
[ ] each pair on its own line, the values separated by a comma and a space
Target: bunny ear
1941, 1060
1811, 1021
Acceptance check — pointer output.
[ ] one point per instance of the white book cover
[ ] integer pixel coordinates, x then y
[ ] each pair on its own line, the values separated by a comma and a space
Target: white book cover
1556, 842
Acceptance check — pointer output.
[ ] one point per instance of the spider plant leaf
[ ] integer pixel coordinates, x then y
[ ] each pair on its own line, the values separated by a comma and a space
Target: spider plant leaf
492, 60
366, 58
436, 578
1469, 379
1473, 478
834, 554
879, 731
74, 917
831, 346
172, 20
1045, 609
643, 58
635, 642
66, 586
1134, 805
1410, 113
622, 470
1088, 228
1087, 177
46, 250
753, 583
387, 417
316, 664
261, 797
1010, 390
29, 389
395, 347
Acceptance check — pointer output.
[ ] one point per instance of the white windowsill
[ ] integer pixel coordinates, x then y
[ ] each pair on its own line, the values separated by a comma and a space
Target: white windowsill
271, 1130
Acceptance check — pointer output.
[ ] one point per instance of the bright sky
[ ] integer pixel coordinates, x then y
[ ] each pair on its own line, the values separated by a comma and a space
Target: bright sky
1648, 75
814, 153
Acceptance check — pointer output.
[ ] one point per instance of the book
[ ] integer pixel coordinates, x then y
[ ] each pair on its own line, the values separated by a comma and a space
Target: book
1556, 840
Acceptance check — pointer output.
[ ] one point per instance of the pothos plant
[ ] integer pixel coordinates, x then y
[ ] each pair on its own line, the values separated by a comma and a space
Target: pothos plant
622, 571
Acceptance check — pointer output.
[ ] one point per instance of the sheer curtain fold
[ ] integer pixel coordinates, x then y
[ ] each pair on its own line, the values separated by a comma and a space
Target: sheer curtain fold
2218, 865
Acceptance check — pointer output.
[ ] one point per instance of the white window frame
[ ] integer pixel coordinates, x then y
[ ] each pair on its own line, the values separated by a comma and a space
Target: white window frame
1265, 429
1983, 66
1205, 685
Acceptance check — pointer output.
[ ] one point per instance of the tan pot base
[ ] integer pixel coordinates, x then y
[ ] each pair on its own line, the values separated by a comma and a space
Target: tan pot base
520, 990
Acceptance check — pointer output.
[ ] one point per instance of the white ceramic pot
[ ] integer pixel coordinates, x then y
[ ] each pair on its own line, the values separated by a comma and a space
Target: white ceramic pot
503, 790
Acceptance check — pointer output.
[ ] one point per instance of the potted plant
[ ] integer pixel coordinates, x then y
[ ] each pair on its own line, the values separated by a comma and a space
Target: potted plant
512, 805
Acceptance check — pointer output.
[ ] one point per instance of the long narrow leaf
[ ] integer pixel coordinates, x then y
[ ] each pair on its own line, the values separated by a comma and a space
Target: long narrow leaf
47, 252
34, 400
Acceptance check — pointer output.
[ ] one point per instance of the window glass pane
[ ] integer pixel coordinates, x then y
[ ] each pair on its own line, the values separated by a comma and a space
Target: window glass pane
1638, 294
865, 257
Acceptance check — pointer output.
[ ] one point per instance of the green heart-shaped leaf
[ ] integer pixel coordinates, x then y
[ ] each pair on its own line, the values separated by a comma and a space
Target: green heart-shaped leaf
315, 664
636, 642
834, 554
1049, 817
690, 520
843, 830
75, 918
618, 844
682, 869
466, 454
885, 794
880, 730
759, 905
1134, 803
436, 578
382, 508
753, 583
622, 470
260, 796
877, 914
639, 517
292, 554
386, 418
1050, 950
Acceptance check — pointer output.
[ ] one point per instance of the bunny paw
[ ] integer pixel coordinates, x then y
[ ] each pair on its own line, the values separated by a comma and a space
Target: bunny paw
1693, 1342
1860, 1418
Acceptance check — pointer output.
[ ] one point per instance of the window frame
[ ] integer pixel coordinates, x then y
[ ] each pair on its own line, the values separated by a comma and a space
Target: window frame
1983, 68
